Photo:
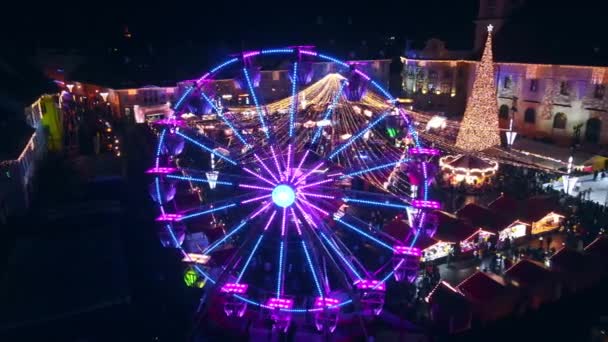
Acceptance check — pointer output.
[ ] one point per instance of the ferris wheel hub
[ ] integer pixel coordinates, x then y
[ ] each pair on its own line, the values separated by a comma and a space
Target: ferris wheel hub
283, 195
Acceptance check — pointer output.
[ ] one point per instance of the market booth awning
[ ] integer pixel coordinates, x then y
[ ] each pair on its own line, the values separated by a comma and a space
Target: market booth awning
576, 271
598, 251
450, 228
536, 280
449, 308
482, 217
492, 296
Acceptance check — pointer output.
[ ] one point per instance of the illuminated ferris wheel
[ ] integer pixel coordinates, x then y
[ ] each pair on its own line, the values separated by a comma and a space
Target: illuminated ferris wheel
270, 203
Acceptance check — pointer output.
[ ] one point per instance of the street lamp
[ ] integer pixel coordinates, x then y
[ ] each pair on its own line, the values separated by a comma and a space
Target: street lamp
511, 134
104, 96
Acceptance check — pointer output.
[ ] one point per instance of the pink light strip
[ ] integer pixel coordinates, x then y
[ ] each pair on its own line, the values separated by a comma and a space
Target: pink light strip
295, 219
260, 210
274, 213
255, 199
314, 206
362, 74
302, 178
258, 176
310, 194
316, 183
284, 219
265, 167
288, 161
295, 172
306, 216
276, 162
256, 187
306, 52
251, 54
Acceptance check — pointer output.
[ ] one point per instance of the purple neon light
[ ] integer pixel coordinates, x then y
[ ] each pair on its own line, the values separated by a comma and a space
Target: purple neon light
295, 172
234, 288
405, 250
423, 150
302, 178
256, 187
314, 207
315, 183
276, 162
250, 54
280, 303
288, 161
167, 217
265, 167
255, 199
274, 213
171, 122
264, 207
306, 216
326, 302
309, 53
295, 220
311, 194
258, 176
362, 74
161, 170
418, 204
366, 284
203, 78
283, 222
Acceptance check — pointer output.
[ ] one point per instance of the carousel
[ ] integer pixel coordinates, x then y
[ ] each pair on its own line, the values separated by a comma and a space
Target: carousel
468, 169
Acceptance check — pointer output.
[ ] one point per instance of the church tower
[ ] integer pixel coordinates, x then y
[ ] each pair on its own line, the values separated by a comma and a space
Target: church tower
495, 13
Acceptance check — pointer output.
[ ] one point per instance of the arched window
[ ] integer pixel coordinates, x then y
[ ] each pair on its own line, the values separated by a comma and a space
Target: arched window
503, 112
530, 115
559, 121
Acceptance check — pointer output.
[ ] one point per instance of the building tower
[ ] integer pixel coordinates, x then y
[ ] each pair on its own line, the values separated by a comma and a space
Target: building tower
495, 13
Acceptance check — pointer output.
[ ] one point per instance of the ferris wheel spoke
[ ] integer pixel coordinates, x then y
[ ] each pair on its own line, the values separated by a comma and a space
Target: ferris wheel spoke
328, 112
211, 209
310, 205
256, 199
206, 148
341, 255
198, 180
266, 167
258, 109
364, 234
225, 120
297, 170
360, 134
294, 100
375, 168
255, 248
303, 177
312, 269
259, 176
386, 204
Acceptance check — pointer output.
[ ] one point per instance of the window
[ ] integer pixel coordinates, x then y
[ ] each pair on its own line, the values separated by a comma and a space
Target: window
599, 91
491, 9
530, 115
564, 88
506, 84
559, 121
533, 85
276, 75
503, 112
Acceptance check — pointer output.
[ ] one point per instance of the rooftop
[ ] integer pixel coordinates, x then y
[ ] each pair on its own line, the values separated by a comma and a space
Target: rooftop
14, 136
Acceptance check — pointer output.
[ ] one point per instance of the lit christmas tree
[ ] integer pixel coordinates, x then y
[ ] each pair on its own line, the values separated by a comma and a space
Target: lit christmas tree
479, 126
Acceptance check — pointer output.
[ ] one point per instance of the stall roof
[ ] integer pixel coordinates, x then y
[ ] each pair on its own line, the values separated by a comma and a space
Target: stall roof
450, 228
482, 217
528, 272
505, 206
598, 248
537, 207
446, 294
567, 260
483, 286
397, 228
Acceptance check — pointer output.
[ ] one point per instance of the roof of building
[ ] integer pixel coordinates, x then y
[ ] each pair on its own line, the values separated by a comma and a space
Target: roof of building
537, 207
450, 228
568, 260
397, 228
528, 272
14, 136
482, 217
599, 248
447, 295
482, 286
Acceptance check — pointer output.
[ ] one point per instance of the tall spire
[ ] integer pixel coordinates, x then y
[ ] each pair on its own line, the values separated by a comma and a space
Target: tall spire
479, 126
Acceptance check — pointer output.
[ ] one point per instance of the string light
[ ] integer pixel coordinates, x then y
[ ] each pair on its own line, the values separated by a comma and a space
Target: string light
479, 127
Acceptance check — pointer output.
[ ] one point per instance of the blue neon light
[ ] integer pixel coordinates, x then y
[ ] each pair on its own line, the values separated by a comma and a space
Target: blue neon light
193, 179
257, 244
358, 135
292, 110
364, 234
226, 121
219, 155
335, 248
383, 166
337, 61
312, 270
383, 91
160, 143
160, 200
182, 98
271, 51
257, 104
381, 204
283, 195
279, 276
228, 62
209, 211
329, 111
219, 242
